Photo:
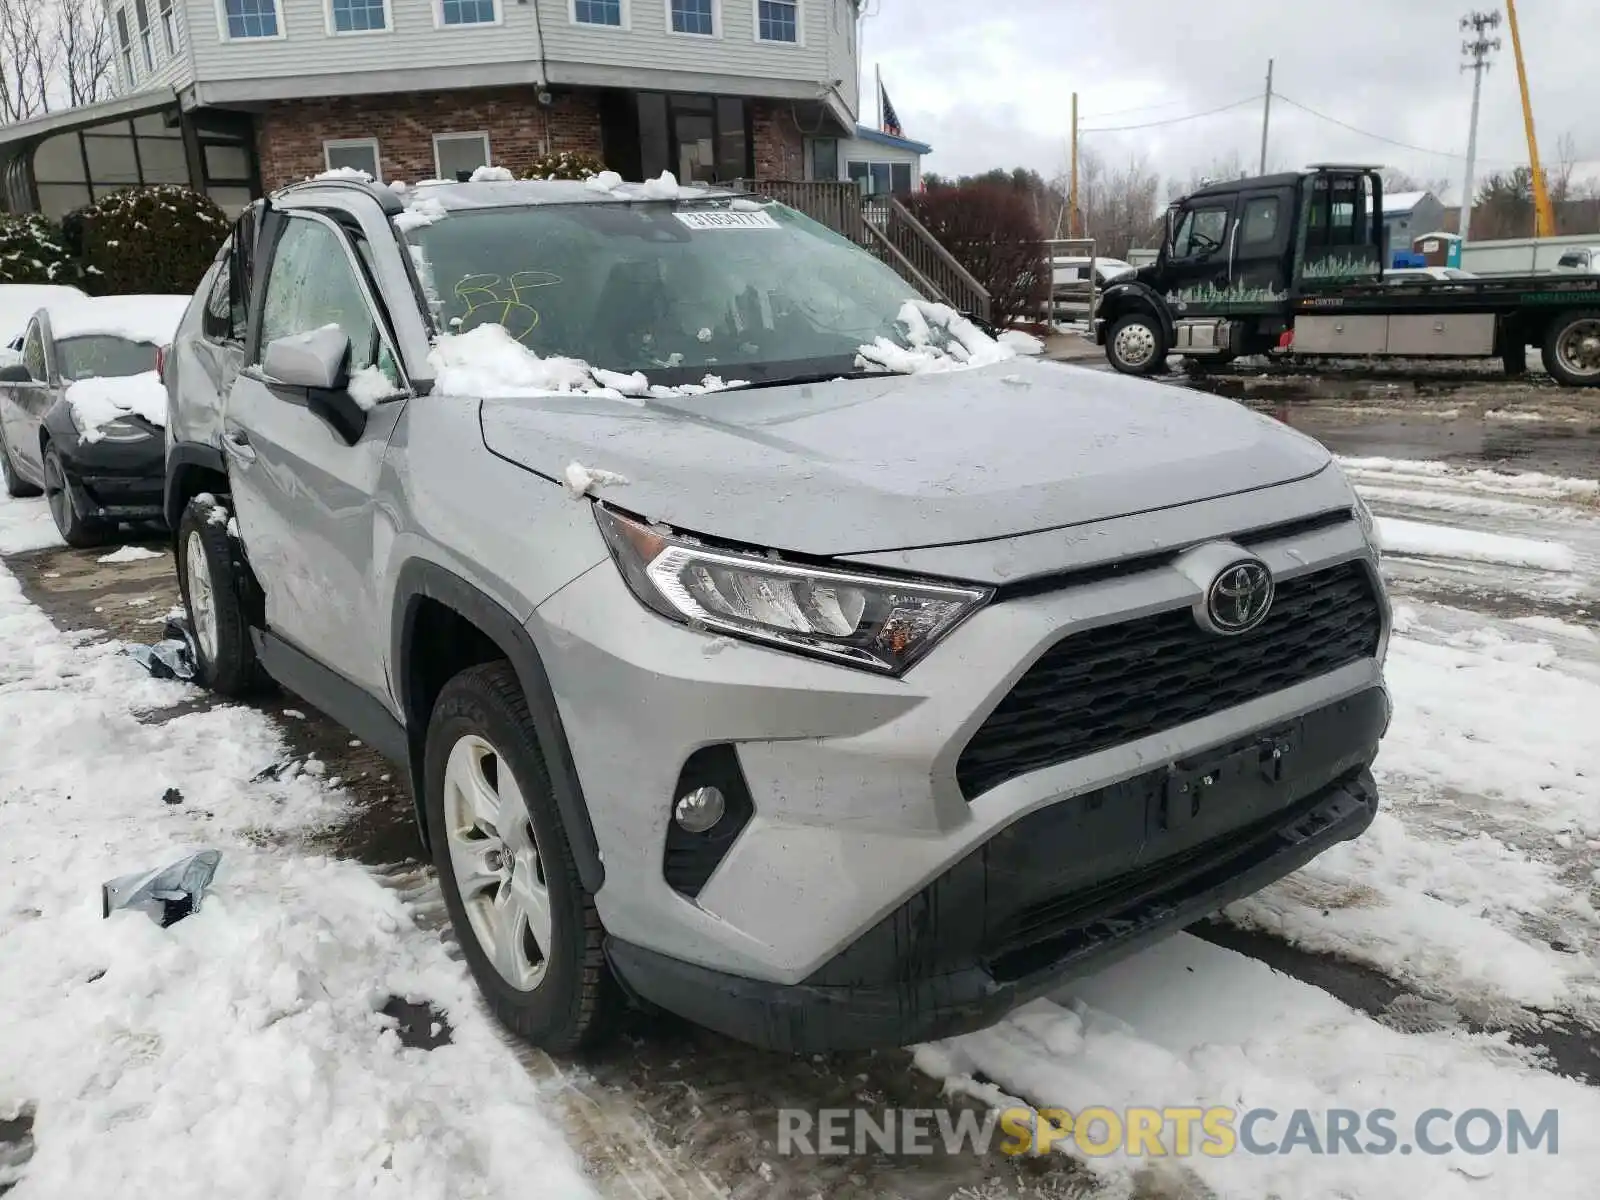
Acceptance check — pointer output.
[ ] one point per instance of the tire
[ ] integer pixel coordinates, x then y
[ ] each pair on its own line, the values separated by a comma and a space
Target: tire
225, 658
76, 530
1572, 348
480, 726
16, 486
1137, 345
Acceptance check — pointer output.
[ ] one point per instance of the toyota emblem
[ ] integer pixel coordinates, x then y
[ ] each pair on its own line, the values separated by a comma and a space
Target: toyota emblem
1239, 597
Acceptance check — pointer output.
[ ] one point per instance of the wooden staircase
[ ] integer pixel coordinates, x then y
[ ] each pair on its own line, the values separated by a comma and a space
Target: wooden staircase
885, 228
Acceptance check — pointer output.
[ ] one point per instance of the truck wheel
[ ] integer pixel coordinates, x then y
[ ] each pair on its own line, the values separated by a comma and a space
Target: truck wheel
225, 656
1572, 348
1137, 345
527, 927
16, 486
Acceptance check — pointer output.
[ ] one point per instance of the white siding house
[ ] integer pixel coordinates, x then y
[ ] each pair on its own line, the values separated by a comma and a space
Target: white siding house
261, 92
878, 162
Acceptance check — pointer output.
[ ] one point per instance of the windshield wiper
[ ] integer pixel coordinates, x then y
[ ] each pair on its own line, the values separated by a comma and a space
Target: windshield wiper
808, 377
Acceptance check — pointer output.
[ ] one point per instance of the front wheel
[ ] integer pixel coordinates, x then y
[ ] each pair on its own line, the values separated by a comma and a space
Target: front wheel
225, 658
1137, 345
527, 927
1572, 349
76, 530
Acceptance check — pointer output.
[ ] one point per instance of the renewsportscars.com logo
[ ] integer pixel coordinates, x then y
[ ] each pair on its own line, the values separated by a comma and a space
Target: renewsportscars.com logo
1166, 1132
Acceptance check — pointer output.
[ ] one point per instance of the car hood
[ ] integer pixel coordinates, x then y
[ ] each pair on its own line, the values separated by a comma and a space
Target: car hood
902, 461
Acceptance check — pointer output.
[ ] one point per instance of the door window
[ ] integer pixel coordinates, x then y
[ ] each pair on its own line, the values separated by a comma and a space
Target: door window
1259, 227
33, 352
1203, 231
313, 283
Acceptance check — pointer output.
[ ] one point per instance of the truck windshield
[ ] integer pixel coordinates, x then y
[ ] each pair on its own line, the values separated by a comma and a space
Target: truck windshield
682, 289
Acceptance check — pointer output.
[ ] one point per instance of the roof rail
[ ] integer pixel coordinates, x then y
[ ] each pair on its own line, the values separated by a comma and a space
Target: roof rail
386, 197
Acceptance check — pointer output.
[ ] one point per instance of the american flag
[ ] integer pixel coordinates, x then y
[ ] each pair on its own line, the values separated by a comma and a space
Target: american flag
891, 119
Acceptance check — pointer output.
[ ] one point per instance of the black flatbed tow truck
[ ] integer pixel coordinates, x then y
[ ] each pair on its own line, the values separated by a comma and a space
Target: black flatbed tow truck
1290, 266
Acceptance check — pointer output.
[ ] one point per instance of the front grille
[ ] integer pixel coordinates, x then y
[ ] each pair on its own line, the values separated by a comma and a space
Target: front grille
1110, 685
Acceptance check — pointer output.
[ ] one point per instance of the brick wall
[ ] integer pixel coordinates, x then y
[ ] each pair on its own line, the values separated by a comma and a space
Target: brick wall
290, 133
779, 144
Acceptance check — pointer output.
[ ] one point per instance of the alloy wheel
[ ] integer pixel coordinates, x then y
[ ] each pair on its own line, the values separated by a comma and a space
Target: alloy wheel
1135, 344
495, 858
1579, 348
202, 596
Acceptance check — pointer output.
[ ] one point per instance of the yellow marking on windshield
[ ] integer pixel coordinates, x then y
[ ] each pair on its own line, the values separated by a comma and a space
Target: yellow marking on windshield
501, 300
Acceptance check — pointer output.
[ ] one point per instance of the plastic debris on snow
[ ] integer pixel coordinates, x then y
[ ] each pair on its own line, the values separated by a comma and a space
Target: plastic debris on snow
129, 554
582, 481
96, 403
492, 175
606, 181
959, 344
370, 386
173, 657
167, 894
489, 362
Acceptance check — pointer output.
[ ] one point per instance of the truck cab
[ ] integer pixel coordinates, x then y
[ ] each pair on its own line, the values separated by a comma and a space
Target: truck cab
1234, 255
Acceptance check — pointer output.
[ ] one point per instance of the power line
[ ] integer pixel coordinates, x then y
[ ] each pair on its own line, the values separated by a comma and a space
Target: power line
1322, 116
1210, 112
1122, 112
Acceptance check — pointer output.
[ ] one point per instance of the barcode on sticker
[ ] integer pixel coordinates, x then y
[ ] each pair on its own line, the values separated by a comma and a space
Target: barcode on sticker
727, 220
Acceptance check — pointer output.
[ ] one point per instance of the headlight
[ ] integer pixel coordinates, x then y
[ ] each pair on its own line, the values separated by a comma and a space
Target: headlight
879, 624
1368, 522
119, 430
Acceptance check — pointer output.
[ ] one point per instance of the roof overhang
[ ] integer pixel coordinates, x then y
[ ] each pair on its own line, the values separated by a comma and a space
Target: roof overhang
868, 134
28, 133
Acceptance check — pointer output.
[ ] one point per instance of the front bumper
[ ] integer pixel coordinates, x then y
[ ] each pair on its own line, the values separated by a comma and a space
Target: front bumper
115, 481
980, 973
857, 807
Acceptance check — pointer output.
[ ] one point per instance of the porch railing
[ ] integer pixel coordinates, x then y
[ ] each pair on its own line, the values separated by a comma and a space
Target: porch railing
885, 228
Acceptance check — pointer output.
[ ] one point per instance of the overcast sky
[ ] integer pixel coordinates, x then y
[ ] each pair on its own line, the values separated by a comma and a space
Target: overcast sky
989, 85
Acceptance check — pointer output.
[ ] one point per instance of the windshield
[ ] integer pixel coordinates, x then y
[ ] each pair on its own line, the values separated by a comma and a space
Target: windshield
99, 356
675, 292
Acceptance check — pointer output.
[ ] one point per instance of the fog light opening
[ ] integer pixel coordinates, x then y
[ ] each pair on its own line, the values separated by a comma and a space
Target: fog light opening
698, 811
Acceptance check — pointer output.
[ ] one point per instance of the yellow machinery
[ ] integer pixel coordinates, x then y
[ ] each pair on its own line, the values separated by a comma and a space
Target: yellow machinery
1544, 217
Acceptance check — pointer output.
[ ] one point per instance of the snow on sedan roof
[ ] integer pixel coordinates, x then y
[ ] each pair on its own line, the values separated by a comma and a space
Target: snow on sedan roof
152, 319
19, 301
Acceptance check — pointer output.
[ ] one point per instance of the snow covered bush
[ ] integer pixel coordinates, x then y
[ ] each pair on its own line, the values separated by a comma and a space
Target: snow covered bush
32, 251
993, 233
145, 240
565, 164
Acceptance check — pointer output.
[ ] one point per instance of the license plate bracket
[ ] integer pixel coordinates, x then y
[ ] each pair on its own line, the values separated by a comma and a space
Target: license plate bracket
1212, 789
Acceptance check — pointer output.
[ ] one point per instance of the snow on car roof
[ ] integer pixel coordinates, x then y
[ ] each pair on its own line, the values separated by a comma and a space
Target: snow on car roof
19, 301
518, 193
151, 319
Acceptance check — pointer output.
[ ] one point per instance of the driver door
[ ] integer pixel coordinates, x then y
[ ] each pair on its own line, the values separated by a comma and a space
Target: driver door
303, 494
22, 405
1200, 260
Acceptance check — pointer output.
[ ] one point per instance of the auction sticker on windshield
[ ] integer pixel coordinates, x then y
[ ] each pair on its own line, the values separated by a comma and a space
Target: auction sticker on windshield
727, 220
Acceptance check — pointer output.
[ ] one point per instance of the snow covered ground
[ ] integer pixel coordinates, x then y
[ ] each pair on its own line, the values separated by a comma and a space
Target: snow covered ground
241, 1051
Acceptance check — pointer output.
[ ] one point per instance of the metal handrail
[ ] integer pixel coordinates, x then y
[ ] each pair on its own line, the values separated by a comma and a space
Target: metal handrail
949, 259
929, 289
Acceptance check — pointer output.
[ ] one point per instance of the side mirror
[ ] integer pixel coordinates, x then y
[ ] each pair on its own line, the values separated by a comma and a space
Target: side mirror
15, 373
318, 359
318, 362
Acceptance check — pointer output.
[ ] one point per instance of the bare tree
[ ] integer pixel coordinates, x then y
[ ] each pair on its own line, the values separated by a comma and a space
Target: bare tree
28, 58
1395, 180
83, 37
1118, 206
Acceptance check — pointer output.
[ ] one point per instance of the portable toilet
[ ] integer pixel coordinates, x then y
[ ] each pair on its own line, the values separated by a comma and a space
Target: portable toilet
1439, 249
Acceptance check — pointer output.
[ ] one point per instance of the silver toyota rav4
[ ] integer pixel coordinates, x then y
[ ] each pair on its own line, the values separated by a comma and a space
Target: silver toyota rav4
762, 643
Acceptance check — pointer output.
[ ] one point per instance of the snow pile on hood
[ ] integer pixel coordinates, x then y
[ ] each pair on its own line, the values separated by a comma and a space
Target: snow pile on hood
492, 175
606, 181
960, 344
488, 361
98, 402
152, 319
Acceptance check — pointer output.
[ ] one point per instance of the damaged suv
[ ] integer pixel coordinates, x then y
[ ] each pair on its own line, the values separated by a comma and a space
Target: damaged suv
762, 643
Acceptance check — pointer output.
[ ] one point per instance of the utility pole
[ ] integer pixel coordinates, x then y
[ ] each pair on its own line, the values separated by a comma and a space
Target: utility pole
1072, 186
1476, 50
1266, 117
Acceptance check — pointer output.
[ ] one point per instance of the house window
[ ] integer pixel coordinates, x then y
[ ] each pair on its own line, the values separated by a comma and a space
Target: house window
146, 41
597, 12
125, 44
778, 20
252, 18
466, 12
359, 16
458, 155
879, 178
169, 25
360, 154
824, 158
693, 16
